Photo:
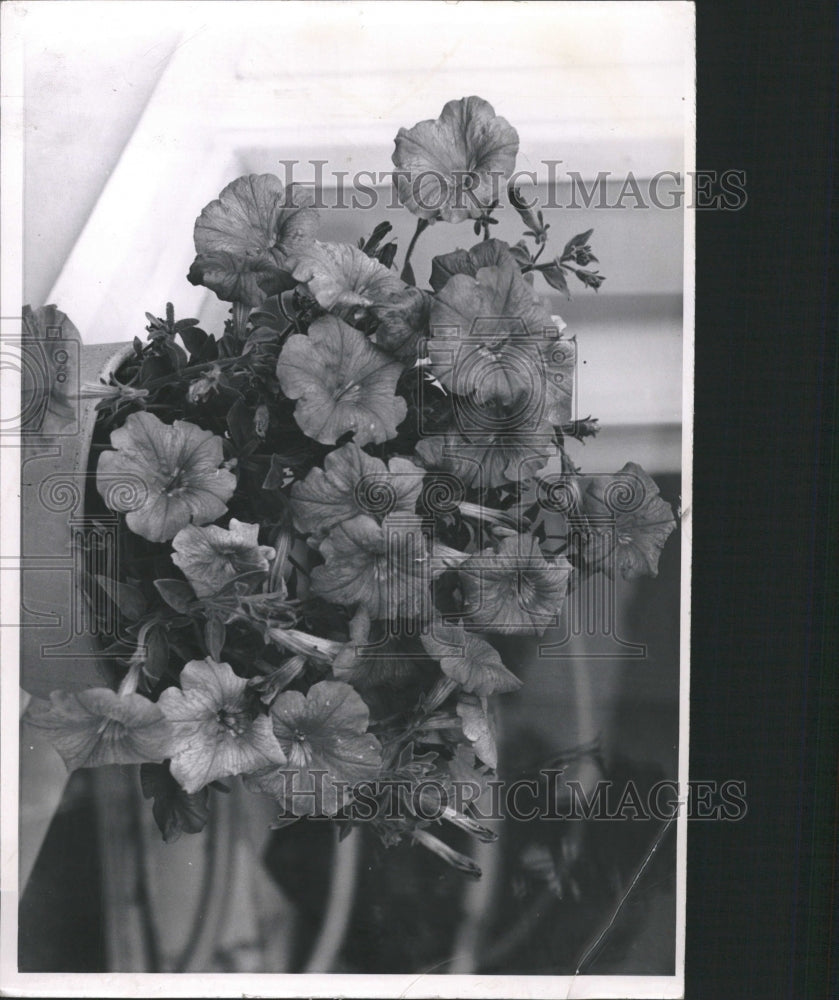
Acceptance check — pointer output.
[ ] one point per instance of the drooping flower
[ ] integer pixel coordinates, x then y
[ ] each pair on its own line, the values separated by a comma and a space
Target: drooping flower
454, 167
250, 236
490, 336
513, 589
478, 728
324, 737
382, 568
100, 726
642, 521
164, 476
342, 383
211, 557
468, 659
486, 452
340, 277
218, 730
352, 482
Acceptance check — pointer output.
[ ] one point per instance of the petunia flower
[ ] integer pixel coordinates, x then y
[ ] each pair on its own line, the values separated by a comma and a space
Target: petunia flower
468, 659
642, 521
352, 482
453, 167
100, 726
514, 589
217, 729
211, 557
342, 383
164, 476
487, 253
483, 456
381, 568
324, 737
249, 236
342, 277
491, 337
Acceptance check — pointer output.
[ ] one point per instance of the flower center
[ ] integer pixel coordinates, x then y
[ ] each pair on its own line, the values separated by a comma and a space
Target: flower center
350, 391
174, 484
233, 723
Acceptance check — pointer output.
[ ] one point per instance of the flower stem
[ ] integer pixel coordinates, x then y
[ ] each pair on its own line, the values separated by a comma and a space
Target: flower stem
422, 225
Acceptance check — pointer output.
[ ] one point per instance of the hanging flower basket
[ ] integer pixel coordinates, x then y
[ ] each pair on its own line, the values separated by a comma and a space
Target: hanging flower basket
300, 546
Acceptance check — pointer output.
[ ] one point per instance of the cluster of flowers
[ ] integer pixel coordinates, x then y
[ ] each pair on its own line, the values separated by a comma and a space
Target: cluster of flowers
335, 504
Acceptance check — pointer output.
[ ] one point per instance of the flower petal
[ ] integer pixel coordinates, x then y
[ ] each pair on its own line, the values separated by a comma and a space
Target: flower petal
383, 569
514, 589
643, 521
164, 476
99, 726
250, 235
351, 483
211, 557
322, 731
469, 660
217, 731
339, 275
342, 383
437, 157
478, 728
488, 334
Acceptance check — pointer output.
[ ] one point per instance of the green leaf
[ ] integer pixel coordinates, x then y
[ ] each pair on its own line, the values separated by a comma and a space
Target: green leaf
193, 337
177, 594
579, 240
555, 277
240, 424
376, 237
174, 811
129, 600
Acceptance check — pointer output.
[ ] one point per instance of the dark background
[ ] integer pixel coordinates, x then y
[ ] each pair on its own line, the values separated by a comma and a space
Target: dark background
761, 893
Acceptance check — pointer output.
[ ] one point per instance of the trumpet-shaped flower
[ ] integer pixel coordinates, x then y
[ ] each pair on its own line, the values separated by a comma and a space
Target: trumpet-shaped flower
486, 452
340, 276
642, 521
352, 482
218, 730
99, 726
514, 589
383, 569
164, 476
249, 236
342, 383
469, 660
328, 749
490, 336
453, 167
211, 557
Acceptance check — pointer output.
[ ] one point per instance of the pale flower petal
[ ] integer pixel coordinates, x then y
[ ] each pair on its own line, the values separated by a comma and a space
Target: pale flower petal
218, 731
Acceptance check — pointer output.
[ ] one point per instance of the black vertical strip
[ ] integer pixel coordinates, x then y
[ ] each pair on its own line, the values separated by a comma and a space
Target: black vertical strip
761, 892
